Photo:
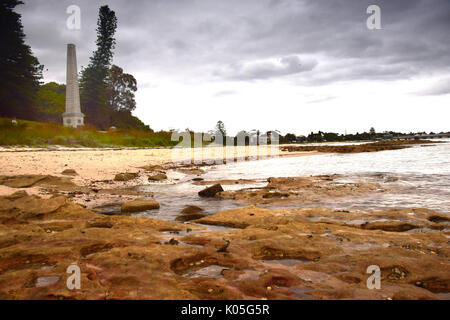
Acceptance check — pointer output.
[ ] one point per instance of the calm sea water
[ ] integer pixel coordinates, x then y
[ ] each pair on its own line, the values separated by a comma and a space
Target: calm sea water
419, 176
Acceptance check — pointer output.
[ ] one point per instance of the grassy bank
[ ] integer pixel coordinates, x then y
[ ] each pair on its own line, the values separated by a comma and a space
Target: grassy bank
40, 134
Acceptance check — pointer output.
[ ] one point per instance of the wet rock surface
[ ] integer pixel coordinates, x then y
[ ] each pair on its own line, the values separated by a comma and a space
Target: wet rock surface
157, 177
224, 182
190, 213
302, 190
119, 257
211, 191
270, 254
139, 205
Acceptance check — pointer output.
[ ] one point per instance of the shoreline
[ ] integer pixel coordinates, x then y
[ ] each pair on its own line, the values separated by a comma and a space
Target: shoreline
47, 223
100, 165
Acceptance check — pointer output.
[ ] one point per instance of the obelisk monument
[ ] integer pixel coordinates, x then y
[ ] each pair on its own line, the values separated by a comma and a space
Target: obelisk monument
73, 116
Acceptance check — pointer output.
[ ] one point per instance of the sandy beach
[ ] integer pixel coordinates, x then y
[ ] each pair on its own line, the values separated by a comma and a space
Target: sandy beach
98, 164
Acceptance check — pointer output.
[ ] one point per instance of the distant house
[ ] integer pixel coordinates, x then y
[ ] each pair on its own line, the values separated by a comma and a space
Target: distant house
388, 136
300, 139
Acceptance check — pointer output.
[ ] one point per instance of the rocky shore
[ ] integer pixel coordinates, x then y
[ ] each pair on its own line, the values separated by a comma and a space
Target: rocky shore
265, 254
365, 147
49, 222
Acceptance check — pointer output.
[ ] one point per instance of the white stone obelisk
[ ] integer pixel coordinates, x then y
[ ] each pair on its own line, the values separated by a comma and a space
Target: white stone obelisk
73, 116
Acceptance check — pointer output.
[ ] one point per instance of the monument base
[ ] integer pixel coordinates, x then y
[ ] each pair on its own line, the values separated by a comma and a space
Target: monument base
73, 119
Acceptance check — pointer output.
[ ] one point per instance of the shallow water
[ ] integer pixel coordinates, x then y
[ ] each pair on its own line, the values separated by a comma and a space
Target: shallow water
419, 176
212, 271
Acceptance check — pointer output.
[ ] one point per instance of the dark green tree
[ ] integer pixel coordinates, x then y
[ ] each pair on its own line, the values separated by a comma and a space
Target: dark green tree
51, 102
289, 137
20, 71
121, 89
94, 78
220, 128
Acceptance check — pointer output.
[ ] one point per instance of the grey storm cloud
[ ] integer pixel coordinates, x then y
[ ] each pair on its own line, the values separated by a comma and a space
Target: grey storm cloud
267, 69
313, 42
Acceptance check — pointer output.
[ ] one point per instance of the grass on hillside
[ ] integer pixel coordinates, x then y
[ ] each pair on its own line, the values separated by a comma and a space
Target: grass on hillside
40, 134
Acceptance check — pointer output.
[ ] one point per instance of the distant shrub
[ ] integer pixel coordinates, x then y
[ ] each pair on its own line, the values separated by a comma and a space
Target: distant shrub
58, 140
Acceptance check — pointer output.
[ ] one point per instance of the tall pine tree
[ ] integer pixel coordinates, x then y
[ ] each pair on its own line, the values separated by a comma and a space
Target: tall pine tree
20, 71
93, 82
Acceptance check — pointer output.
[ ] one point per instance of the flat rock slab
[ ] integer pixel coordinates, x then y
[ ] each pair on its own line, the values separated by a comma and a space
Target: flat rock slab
157, 177
69, 172
139, 206
26, 181
190, 216
31, 206
152, 167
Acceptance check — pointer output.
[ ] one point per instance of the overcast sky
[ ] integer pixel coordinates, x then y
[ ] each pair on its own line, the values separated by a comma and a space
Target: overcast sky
293, 65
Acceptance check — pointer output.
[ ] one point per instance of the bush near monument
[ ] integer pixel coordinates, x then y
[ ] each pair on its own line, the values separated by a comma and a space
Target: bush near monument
42, 134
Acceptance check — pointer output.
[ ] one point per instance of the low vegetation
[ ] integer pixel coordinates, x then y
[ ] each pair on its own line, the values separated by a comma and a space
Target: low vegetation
39, 134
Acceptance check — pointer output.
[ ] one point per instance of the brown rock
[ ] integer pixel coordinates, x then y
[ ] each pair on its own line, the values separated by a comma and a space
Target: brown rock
157, 177
26, 181
223, 181
139, 205
189, 217
367, 147
191, 170
191, 210
190, 213
17, 195
301, 190
282, 261
69, 172
152, 167
32, 205
211, 191
125, 176
98, 224
22, 181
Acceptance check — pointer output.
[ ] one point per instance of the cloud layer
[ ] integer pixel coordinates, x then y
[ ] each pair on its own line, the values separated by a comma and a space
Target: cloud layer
229, 45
